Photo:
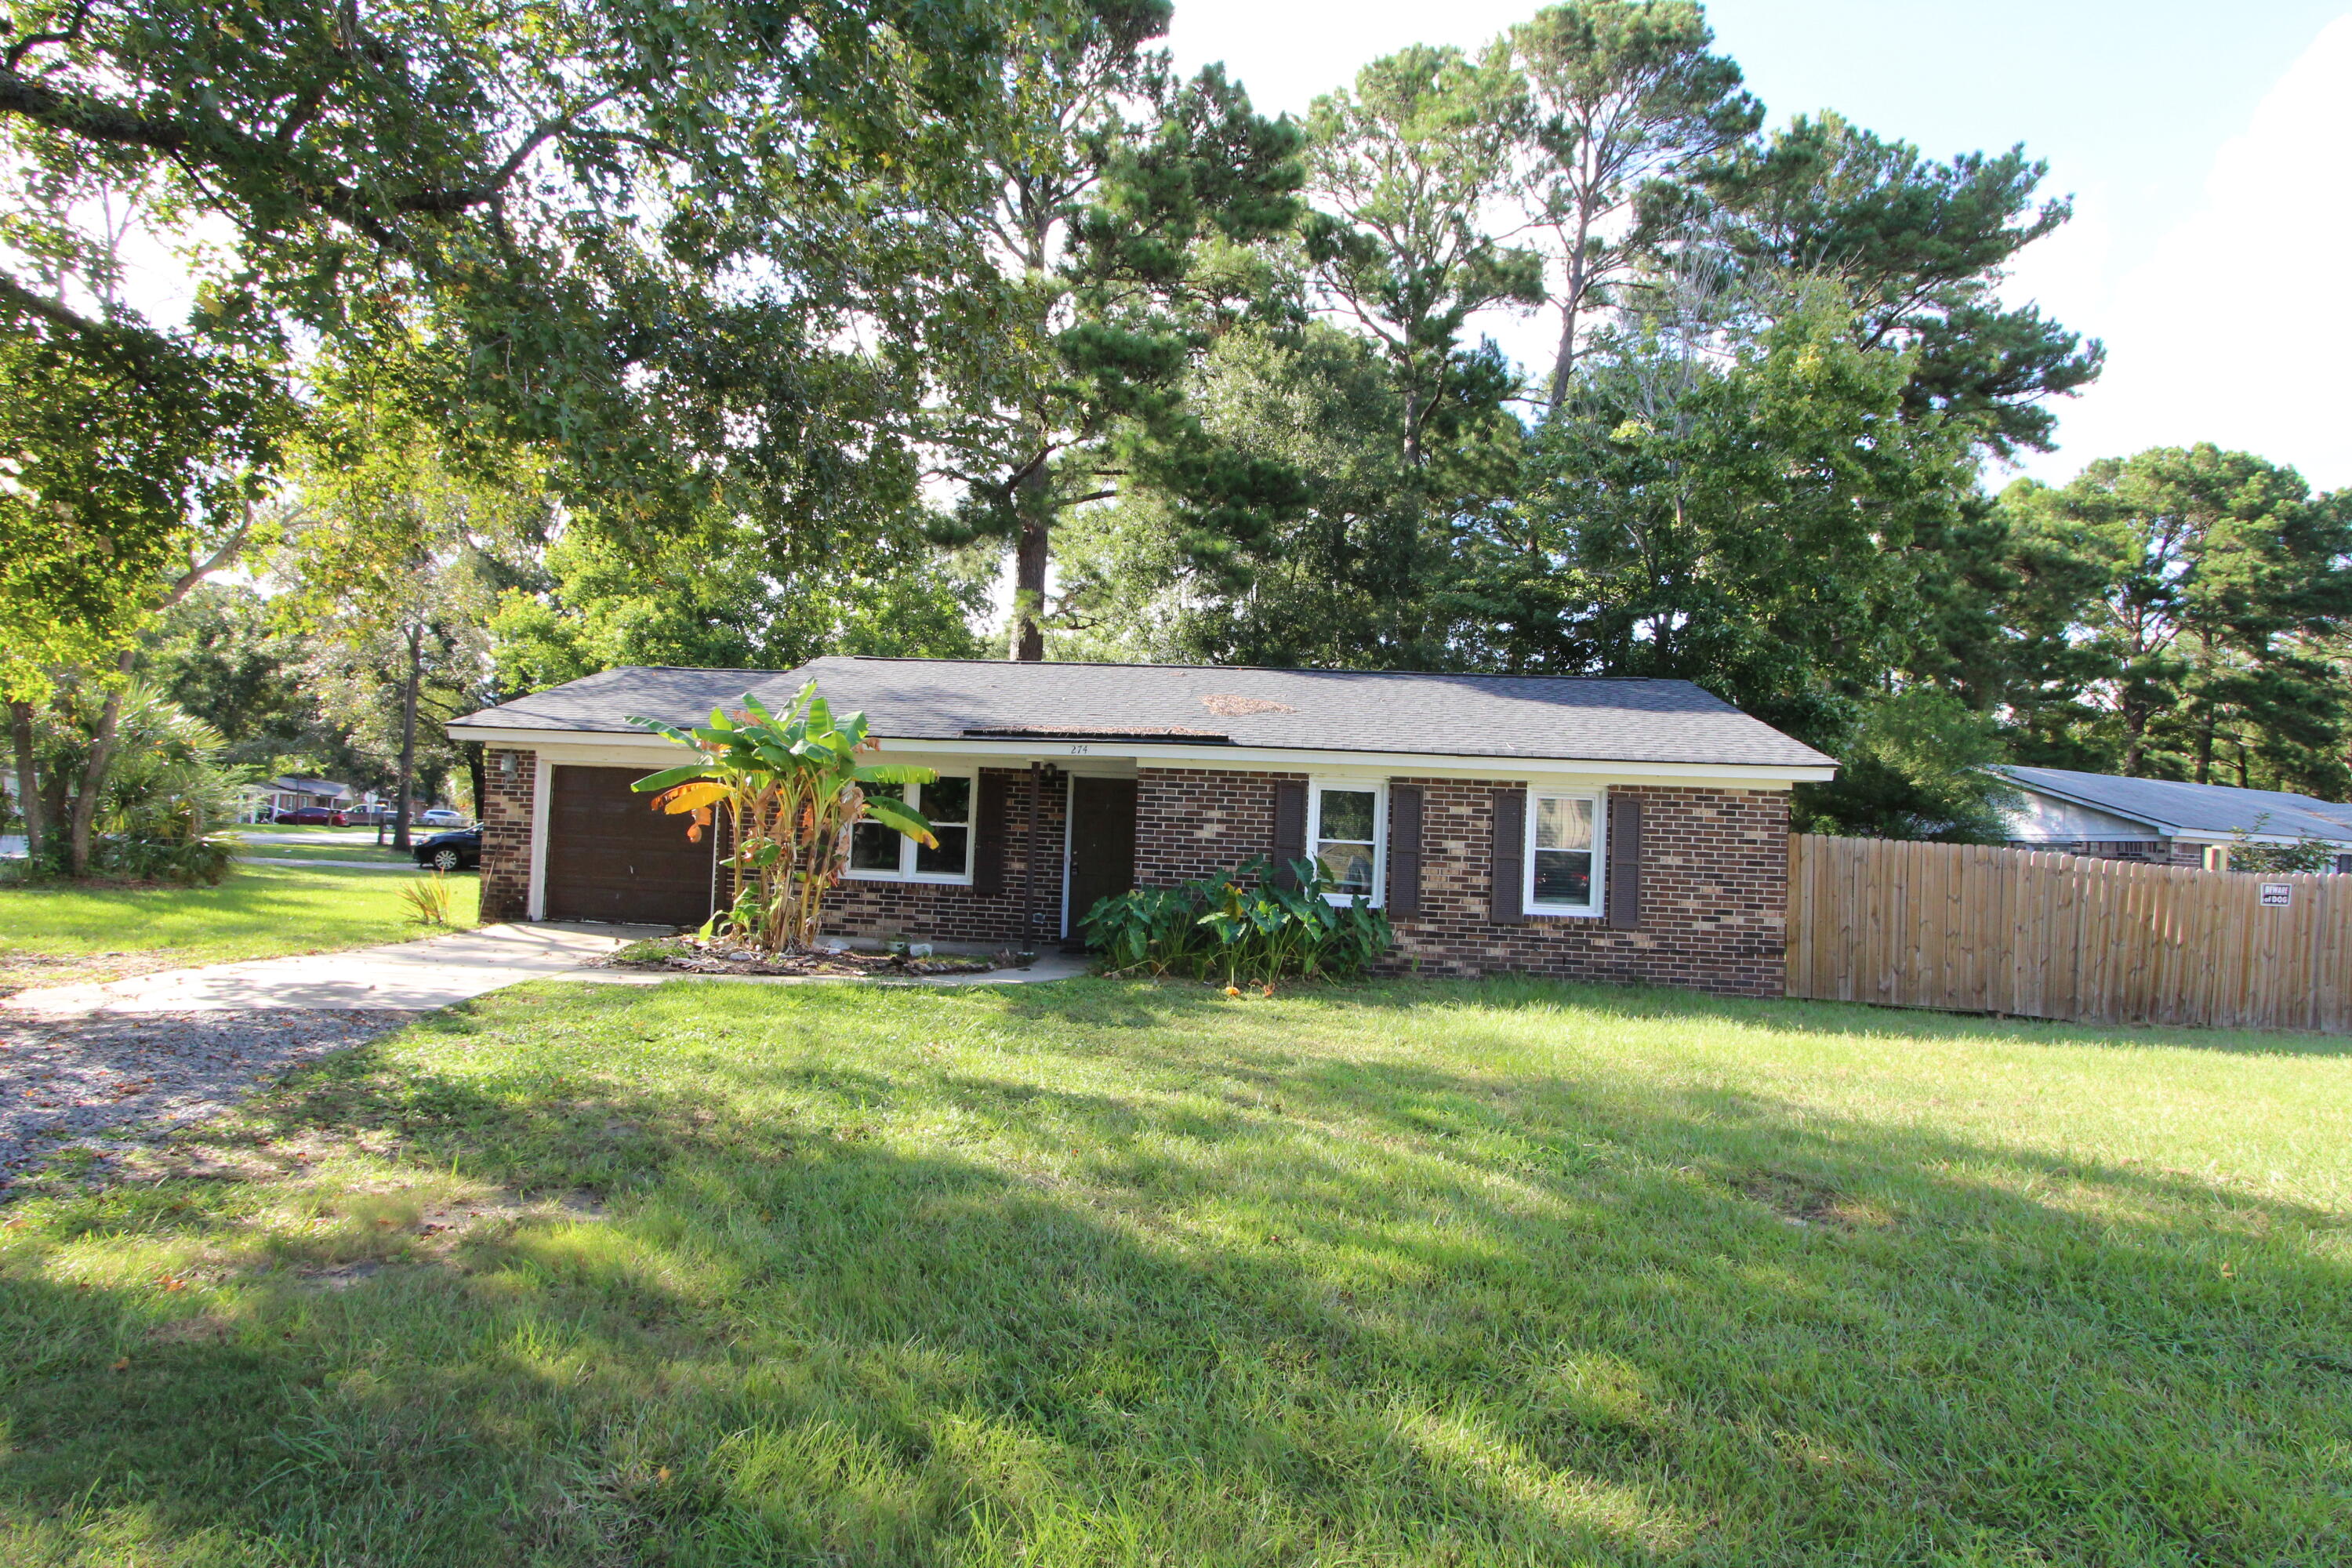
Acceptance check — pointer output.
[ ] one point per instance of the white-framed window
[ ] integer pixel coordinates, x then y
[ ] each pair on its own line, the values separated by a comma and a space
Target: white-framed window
1347, 834
1564, 849
879, 853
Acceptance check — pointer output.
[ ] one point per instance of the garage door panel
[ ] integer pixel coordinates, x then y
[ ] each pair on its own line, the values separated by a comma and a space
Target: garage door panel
612, 856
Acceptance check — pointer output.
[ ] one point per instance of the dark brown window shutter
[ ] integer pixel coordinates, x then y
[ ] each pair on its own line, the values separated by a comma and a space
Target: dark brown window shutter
991, 818
1624, 893
1404, 850
1289, 828
1510, 856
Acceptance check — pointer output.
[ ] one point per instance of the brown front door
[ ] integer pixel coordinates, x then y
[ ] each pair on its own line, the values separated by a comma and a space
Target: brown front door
612, 856
1102, 844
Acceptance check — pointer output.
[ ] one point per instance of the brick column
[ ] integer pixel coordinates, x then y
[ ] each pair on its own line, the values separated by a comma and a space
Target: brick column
505, 834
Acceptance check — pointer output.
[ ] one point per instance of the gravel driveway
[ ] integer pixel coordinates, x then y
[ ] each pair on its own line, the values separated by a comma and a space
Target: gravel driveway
111, 1082
107, 1067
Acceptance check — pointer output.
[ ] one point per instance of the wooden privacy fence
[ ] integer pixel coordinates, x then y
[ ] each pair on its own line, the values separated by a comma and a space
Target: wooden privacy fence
1979, 929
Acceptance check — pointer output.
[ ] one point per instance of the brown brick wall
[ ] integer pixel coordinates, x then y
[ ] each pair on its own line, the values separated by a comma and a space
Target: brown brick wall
506, 835
942, 911
1714, 895
1195, 822
1715, 881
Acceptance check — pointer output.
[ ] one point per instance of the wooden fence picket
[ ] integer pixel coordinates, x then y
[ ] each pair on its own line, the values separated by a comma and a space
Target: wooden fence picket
1974, 929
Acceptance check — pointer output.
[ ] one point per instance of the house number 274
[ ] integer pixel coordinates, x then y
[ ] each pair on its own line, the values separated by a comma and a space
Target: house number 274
1080, 751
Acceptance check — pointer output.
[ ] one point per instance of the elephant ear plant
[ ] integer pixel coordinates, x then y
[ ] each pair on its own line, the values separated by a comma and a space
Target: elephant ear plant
792, 788
1246, 924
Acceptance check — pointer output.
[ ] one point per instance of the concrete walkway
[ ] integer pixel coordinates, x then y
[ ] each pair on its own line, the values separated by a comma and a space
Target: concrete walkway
324, 865
407, 976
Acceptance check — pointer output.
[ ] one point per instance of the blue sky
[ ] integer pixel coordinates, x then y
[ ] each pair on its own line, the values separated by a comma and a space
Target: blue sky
2209, 149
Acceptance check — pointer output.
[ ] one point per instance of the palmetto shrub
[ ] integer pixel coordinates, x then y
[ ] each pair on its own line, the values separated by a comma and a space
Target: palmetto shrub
167, 802
1246, 924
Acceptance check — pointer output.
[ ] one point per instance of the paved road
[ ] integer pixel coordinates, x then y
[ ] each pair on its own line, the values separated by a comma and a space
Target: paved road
339, 838
321, 865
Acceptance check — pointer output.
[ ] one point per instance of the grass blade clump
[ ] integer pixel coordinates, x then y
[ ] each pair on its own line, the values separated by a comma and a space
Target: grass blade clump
427, 899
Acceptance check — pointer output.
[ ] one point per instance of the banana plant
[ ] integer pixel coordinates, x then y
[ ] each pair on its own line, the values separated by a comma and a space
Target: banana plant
792, 788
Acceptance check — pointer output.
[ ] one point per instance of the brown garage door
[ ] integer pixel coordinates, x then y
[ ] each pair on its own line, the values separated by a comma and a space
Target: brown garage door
612, 856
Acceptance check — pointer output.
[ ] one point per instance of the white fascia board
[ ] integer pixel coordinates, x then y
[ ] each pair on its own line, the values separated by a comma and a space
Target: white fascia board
587, 748
569, 745
2183, 835
2214, 835
1383, 764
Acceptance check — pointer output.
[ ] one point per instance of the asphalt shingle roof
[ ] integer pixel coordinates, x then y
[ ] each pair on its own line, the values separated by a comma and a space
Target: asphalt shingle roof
2195, 808
1532, 716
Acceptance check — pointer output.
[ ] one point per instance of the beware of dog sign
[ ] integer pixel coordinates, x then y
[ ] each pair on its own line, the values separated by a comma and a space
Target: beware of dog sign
2277, 895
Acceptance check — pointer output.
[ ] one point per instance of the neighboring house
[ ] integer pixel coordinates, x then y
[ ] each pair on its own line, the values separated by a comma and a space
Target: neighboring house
372, 808
1598, 830
266, 800
2162, 820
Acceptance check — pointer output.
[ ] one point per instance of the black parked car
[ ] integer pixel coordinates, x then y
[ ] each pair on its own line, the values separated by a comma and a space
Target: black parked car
451, 851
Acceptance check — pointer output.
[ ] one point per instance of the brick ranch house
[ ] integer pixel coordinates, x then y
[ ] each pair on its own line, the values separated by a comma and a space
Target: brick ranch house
1595, 829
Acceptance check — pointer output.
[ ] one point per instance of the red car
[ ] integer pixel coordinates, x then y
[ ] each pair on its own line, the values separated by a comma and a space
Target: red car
311, 816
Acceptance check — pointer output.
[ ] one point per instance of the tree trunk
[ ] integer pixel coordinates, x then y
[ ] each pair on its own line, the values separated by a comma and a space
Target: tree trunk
54, 801
2205, 745
1564, 362
1032, 554
28, 779
1412, 417
478, 774
83, 819
408, 731
83, 816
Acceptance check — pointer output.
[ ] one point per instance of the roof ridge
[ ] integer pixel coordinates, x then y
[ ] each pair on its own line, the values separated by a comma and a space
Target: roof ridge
1153, 664
1220, 668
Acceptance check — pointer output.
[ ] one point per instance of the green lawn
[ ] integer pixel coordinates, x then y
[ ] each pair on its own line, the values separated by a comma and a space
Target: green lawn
55, 934
1100, 1273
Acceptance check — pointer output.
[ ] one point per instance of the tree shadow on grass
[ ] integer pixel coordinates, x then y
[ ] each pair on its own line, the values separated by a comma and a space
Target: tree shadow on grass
1265, 1306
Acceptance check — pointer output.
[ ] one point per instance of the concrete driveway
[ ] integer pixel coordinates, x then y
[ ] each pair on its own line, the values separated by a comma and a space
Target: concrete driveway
406, 977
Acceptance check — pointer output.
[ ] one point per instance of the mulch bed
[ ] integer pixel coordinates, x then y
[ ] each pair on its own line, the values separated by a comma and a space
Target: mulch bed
692, 955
